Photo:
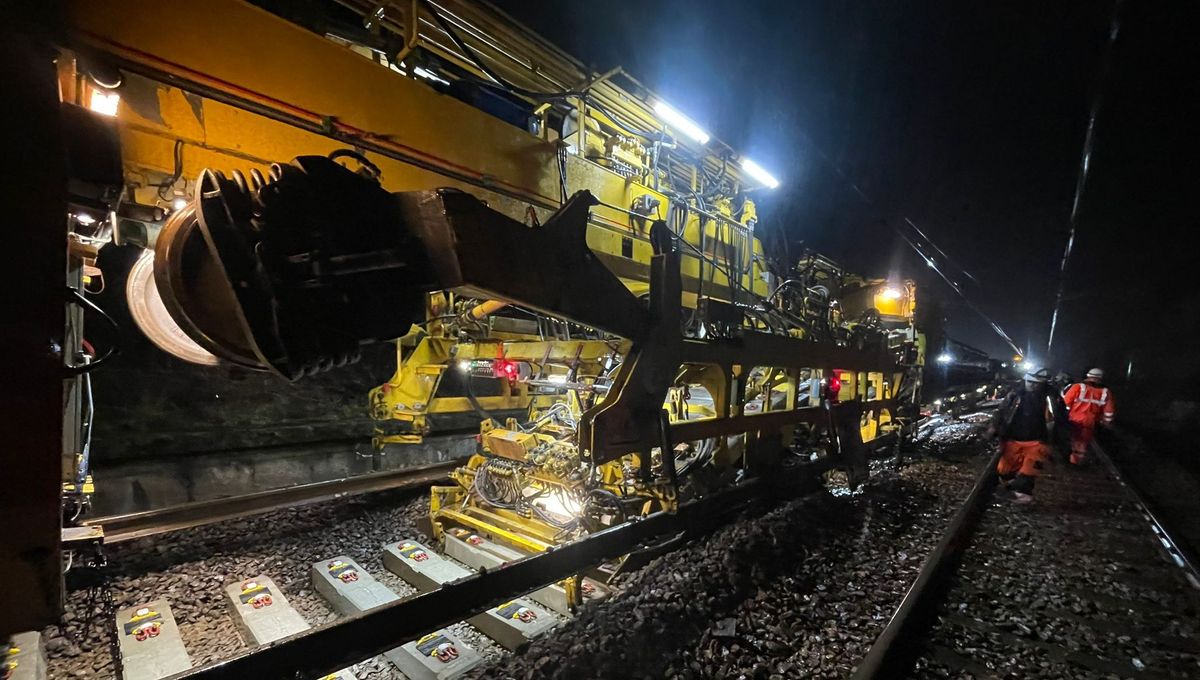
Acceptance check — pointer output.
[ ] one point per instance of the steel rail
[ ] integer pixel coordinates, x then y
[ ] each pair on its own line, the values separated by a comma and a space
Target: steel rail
326, 649
120, 528
1179, 552
896, 649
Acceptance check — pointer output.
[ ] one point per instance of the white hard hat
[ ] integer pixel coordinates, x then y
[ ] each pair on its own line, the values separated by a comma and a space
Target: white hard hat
1096, 373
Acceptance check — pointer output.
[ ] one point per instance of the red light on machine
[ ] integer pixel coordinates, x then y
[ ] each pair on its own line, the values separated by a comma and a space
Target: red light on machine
503, 368
833, 387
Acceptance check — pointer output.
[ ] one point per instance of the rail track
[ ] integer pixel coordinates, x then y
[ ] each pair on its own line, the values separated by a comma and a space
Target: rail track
127, 527
192, 566
1078, 585
1082, 583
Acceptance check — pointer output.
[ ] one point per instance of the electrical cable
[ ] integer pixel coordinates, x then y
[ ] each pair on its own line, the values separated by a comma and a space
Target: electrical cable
85, 453
475, 59
734, 283
75, 297
648, 136
483, 479
540, 96
176, 173
1089, 140
614, 501
479, 409
562, 172
372, 169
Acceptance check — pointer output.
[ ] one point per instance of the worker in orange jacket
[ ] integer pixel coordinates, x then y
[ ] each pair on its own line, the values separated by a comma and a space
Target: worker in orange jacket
1090, 403
1026, 421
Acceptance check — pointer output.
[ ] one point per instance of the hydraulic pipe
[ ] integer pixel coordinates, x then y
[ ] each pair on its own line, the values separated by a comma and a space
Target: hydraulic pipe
484, 309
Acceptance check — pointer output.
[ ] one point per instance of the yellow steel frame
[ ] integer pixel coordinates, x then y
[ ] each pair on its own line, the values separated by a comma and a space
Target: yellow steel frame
411, 394
238, 105
241, 106
234, 86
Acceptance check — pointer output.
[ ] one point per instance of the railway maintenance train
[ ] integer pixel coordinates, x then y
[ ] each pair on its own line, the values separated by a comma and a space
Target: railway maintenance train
557, 253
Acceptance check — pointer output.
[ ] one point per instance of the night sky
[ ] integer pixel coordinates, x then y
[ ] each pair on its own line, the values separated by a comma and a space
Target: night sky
969, 119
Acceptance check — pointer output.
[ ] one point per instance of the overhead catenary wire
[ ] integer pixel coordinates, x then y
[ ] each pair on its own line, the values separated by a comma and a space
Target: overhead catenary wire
871, 202
941, 252
954, 286
1089, 140
930, 261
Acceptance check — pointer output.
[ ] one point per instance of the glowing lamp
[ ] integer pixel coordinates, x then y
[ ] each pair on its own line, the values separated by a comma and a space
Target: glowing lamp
104, 103
757, 172
681, 122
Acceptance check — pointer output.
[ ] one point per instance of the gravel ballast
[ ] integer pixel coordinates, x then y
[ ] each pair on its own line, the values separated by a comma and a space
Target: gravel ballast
799, 589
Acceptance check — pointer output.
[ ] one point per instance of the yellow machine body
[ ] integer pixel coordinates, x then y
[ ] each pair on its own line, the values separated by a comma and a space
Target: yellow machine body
241, 87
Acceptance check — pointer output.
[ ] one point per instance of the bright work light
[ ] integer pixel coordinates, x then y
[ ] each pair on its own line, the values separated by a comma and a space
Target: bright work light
104, 103
756, 171
681, 122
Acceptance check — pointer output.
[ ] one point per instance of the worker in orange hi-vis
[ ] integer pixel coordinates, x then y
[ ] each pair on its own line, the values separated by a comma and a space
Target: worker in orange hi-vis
1023, 424
1090, 403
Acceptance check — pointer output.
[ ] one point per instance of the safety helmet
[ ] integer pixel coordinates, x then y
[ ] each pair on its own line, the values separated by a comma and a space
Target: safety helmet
1039, 376
1096, 373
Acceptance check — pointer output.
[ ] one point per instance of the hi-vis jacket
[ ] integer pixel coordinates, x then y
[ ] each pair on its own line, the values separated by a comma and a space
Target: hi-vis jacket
1089, 403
